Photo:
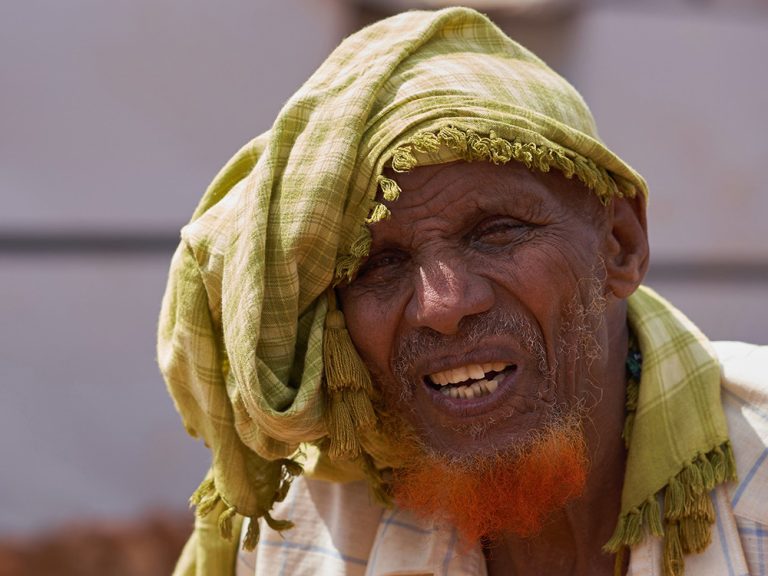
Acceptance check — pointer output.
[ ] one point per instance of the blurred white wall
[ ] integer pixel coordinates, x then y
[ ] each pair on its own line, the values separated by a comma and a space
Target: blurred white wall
114, 117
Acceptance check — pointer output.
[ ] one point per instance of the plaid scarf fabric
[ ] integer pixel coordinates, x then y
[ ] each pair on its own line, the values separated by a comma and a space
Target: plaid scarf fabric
254, 354
676, 435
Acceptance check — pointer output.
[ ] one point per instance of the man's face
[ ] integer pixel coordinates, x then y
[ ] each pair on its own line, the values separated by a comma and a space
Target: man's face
480, 308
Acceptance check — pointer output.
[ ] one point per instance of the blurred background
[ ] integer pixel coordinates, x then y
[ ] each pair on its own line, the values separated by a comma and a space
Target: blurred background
115, 115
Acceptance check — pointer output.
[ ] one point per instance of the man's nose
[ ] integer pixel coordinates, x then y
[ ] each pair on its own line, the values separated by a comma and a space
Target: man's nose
445, 293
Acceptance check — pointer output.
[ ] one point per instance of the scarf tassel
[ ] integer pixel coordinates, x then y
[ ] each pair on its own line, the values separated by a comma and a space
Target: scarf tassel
207, 498
688, 512
378, 485
251, 535
348, 384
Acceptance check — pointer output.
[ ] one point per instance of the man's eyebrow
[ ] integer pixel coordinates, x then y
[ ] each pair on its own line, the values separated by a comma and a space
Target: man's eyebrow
391, 239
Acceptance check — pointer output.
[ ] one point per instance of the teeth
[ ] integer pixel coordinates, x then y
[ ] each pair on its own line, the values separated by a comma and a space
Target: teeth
477, 389
476, 371
463, 373
482, 385
459, 374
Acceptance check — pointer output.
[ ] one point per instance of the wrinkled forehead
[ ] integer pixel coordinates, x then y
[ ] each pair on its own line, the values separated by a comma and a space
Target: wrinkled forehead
453, 187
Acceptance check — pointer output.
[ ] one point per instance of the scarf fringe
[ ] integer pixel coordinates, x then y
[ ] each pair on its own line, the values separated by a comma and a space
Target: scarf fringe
471, 147
389, 188
348, 384
347, 264
206, 498
688, 511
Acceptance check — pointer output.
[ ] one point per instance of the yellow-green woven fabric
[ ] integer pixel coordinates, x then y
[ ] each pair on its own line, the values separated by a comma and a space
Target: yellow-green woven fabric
676, 435
679, 415
242, 321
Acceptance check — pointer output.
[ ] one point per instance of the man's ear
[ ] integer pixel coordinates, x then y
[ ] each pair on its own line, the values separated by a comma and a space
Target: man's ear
626, 256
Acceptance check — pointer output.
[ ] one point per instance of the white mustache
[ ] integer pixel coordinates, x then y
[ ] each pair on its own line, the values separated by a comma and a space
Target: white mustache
425, 342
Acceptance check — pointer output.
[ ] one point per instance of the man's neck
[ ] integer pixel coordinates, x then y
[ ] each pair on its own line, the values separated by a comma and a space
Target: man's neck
571, 542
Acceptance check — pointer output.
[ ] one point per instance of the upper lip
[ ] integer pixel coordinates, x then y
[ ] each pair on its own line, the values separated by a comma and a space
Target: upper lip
478, 355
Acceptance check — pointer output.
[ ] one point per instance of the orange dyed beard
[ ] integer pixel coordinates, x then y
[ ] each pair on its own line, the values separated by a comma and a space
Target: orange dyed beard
500, 494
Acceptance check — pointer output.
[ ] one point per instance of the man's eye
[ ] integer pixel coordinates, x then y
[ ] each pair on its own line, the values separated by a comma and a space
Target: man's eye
501, 231
381, 264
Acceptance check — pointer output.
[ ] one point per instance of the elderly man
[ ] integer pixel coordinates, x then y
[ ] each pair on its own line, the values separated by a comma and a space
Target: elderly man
409, 325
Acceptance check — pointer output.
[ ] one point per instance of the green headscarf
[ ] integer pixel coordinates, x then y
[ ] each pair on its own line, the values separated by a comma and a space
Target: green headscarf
246, 313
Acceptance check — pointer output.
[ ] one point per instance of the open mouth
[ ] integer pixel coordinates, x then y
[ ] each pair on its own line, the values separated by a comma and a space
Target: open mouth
470, 381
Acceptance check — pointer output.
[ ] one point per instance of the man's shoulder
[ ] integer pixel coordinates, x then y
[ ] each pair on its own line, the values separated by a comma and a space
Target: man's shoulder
743, 363
745, 400
744, 369
335, 524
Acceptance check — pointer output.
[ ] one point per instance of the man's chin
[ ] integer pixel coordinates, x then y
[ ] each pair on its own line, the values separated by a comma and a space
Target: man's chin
504, 493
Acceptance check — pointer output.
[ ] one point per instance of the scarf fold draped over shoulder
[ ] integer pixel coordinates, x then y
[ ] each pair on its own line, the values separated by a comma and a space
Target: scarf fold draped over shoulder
252, 349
